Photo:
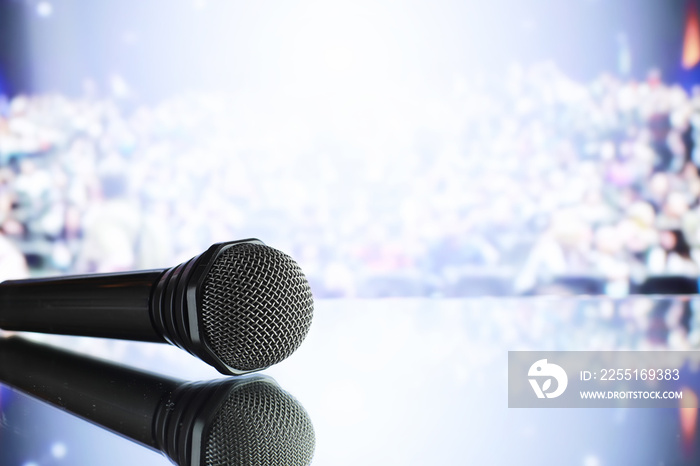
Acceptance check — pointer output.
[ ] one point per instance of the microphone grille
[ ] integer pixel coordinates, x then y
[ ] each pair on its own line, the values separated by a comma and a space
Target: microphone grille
259, 424
256, 306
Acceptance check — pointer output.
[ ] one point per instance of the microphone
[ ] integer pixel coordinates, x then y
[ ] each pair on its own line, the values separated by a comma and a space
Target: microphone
227, 422
240, 306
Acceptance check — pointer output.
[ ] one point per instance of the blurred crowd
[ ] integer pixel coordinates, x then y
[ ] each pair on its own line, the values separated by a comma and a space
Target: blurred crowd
530, 184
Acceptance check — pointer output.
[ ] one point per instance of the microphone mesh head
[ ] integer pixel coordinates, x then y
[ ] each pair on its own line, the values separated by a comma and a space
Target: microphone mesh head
256, 306
260, 424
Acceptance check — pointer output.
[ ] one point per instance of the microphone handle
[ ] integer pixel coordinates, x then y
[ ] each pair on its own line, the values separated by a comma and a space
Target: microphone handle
115, 305
123, 400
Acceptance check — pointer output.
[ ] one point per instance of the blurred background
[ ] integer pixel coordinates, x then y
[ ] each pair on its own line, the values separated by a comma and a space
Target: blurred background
394, 148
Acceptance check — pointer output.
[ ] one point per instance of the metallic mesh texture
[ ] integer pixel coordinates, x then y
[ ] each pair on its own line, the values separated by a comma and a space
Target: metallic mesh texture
256, 306
260, 424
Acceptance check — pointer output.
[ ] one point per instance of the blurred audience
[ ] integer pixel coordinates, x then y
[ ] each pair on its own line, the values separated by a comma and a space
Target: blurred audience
542, 184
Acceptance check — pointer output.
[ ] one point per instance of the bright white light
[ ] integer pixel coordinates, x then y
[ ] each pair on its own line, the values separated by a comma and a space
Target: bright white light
591, 460
58, 450
44, 9
342, 54
118, 86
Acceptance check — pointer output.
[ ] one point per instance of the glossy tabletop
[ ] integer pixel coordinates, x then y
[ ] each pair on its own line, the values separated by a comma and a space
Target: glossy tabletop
409, 381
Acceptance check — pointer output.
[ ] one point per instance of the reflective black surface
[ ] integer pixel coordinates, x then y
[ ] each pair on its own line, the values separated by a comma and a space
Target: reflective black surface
233, 421
417, 382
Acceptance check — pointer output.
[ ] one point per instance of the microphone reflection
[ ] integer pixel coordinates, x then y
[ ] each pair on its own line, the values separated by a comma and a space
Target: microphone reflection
247, 420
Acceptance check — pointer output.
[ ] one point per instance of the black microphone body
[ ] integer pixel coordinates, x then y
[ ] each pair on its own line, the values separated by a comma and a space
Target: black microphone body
243, 421
240, 306
119, 399
113, 305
